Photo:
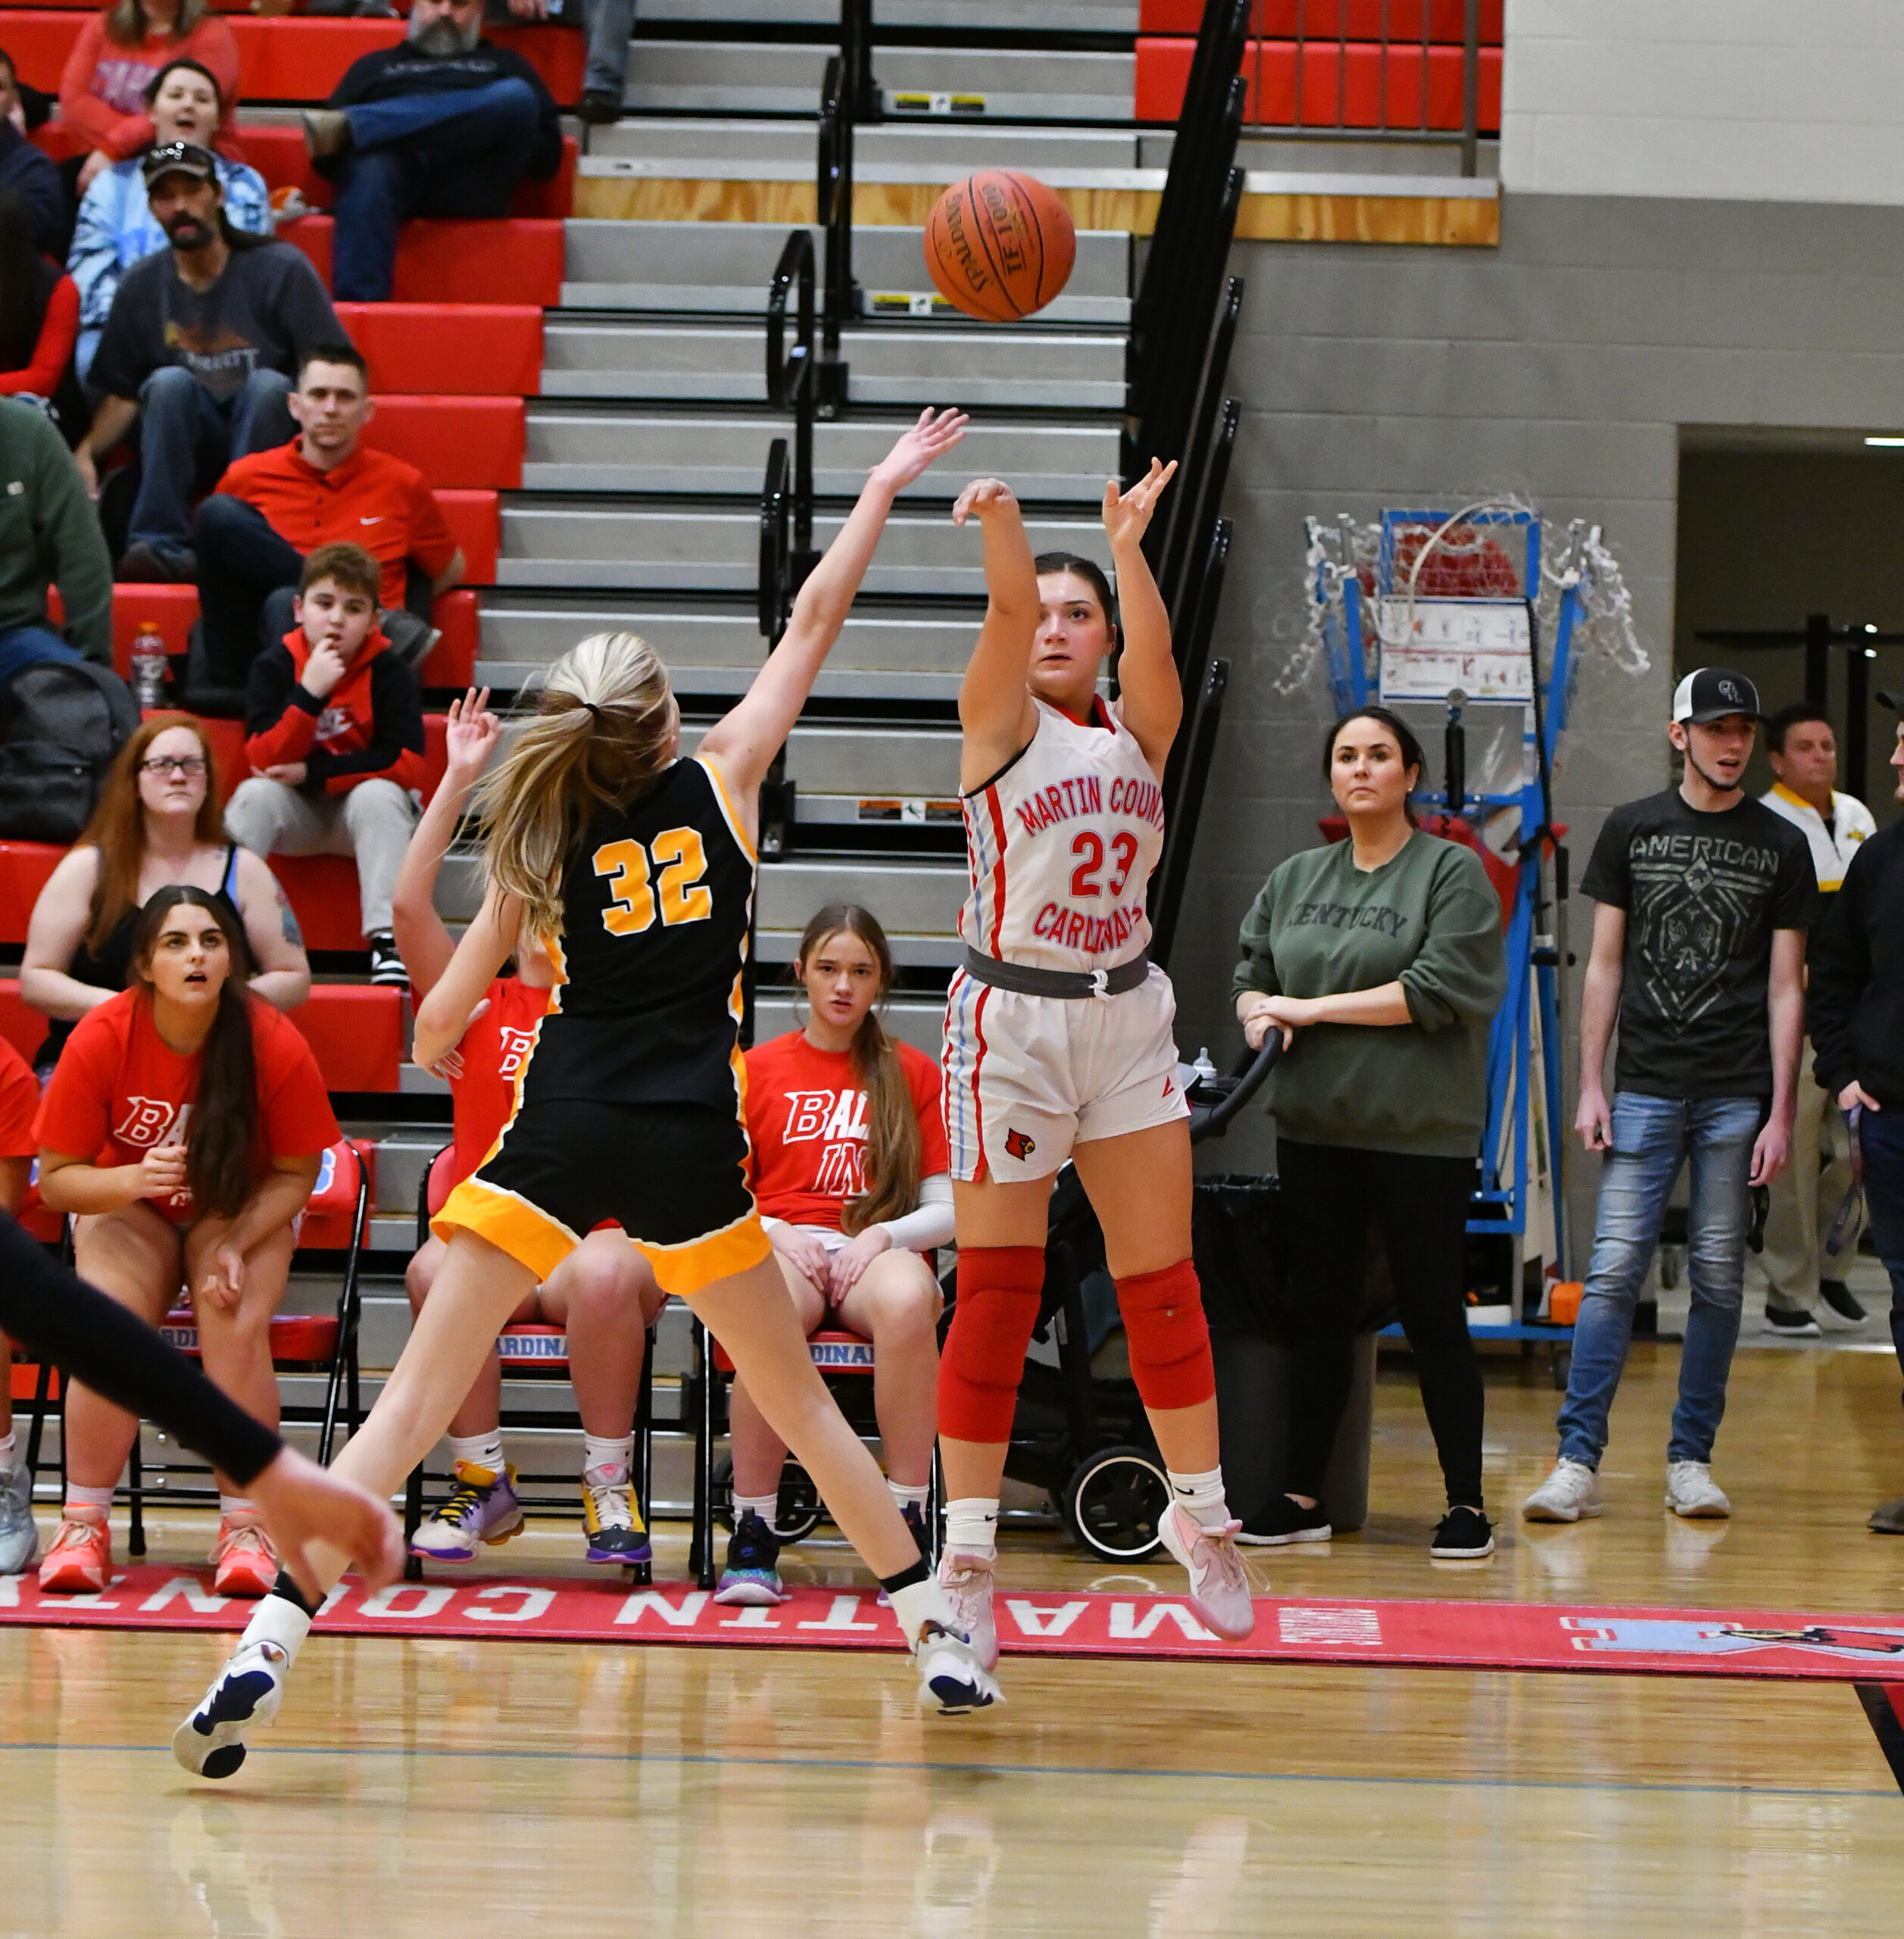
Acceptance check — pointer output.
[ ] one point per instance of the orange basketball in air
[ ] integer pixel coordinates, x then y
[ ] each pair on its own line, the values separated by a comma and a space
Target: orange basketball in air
1000, 245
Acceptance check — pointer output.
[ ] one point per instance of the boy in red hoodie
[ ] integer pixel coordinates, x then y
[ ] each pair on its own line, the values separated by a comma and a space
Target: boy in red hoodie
334, 727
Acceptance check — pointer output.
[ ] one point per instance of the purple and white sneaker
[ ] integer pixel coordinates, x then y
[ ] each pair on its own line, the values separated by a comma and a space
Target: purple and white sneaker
482, 1509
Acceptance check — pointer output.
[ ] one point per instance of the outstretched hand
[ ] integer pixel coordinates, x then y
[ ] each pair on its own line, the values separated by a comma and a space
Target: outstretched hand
1127, 514
934, 435
983, 496
470, 733
303, 1504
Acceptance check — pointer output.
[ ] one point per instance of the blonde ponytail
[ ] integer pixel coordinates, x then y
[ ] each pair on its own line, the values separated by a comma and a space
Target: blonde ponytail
600, 738
892, 1122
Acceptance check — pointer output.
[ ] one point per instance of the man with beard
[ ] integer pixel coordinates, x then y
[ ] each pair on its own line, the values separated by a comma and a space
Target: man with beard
199, 348
443, 124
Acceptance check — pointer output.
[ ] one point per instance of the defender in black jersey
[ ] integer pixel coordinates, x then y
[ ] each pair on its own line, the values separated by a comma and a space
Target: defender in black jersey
631, 1107
635, 868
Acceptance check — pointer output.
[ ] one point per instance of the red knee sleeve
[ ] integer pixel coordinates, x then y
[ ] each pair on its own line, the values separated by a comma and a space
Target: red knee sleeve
1168, 1337
1000, 1287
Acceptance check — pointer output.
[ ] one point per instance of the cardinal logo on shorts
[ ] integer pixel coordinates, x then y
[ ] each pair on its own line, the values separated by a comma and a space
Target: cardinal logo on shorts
1018, 1145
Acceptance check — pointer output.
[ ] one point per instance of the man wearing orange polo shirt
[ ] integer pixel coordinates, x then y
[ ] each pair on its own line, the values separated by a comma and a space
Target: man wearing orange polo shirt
271, 510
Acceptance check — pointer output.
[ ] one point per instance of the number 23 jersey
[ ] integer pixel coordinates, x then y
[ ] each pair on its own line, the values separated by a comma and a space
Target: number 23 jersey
656, 900
1061, 844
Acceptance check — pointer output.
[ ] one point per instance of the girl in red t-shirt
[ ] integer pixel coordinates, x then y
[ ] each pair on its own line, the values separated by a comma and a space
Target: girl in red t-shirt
850, 1167
184, 1126
603, 1293
19, 1102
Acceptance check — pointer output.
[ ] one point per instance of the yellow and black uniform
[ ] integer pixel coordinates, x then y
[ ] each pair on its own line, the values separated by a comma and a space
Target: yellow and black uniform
631, 1103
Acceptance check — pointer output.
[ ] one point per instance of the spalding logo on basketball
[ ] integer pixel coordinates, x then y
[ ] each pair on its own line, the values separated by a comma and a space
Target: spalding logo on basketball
1000, 245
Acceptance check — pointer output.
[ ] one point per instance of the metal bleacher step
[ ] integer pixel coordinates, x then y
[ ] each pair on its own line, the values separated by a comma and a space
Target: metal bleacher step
784, 77
891, 362
1107, 17
723, 268
607, 448
690, 143
585, 543
716, 652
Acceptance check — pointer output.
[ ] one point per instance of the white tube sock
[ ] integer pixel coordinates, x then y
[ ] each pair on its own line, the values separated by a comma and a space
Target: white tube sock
1202, 1496
972, 1524
480, 1451
97, 1498
607, 1462
767, 1507
913, 1497
230, 1505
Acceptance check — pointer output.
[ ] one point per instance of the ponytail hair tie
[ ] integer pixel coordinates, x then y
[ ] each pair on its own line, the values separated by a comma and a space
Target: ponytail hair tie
595, 712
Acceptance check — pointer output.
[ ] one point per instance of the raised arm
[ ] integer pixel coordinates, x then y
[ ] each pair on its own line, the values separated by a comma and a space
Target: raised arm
742, 745
423, 940
445, 1014
1150, 694
995, 706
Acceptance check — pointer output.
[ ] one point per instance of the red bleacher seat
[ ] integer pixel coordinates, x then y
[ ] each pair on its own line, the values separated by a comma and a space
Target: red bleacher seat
449, 350
278, 152
452, 660
460, 262
24, 1029
354, 1030
476, 517
1329, 19
457, 441
24, 867
1163, 71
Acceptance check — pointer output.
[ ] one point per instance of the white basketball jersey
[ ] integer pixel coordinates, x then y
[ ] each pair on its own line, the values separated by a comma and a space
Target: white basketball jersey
1061, 846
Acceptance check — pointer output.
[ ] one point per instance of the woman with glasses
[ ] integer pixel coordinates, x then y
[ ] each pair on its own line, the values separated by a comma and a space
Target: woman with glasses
156, 823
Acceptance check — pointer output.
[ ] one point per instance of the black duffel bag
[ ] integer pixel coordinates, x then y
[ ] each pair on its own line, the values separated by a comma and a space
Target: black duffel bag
62, 722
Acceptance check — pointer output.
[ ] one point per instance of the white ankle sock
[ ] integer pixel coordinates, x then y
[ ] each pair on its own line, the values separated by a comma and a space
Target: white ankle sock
99, 1498
480, 1451
972, 1524
767, 1507
280, 1621
230, 1505
912, 1496
608, 1463
1202, 1497
922, 1603
9, 1453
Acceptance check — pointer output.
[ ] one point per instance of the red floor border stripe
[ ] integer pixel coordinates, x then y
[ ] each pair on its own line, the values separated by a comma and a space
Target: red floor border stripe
1449, 1635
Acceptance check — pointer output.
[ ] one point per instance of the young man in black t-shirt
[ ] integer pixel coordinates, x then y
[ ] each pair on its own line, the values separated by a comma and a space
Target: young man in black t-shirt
1698, 952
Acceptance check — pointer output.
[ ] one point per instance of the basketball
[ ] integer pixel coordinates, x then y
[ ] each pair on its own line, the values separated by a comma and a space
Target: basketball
1000, 245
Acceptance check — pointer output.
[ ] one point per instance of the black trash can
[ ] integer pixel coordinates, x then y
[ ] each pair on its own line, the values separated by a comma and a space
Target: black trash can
1238, 1262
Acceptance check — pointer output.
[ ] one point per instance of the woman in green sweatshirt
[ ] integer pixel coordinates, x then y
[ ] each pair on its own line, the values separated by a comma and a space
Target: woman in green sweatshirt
1379, 959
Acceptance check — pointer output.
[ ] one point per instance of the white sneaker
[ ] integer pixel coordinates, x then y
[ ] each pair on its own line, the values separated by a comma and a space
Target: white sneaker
1219, 1590
1570, 1491
967, 1580
1691, 1490
952, 1680
245, 1694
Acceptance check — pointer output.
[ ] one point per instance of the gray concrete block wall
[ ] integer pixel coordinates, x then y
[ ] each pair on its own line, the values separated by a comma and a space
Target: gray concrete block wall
1560, 365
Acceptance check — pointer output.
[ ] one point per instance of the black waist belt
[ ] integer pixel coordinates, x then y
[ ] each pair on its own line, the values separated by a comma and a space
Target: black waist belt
1031, 982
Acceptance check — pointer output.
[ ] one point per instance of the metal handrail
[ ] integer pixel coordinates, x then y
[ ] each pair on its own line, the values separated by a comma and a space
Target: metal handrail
1196, 504
848, 95
789, 372
1182, 816
775, 590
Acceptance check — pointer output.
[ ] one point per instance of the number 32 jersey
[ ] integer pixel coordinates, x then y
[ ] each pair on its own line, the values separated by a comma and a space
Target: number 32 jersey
1061, 844
657, 900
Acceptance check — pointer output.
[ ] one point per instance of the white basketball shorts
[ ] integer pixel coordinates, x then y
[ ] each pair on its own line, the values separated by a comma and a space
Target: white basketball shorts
1027, 1077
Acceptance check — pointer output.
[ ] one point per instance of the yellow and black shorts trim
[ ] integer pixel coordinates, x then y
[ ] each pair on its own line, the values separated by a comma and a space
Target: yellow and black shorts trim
673, 1176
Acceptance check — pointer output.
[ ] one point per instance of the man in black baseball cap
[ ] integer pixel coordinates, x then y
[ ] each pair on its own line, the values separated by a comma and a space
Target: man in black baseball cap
199, 349
1698, 953
1855, 1013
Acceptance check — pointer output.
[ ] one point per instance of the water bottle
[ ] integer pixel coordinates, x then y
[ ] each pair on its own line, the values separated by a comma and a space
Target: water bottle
150, 667
1204, 1069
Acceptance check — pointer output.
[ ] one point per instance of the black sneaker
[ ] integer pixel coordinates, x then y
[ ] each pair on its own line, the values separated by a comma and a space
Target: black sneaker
1283, 1519
386, 966
1789, 1323
143, 564
752, 1575
1462, 1534
1841, 1307
601, 107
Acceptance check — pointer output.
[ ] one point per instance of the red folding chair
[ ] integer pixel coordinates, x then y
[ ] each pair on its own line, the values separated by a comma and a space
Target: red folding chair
533, 1351
335, 1218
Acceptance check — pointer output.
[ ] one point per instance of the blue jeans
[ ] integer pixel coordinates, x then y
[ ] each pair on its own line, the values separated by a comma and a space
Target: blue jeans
187, 437
1880, 1137
1653, 1137
610, 25
454, 154
22, 647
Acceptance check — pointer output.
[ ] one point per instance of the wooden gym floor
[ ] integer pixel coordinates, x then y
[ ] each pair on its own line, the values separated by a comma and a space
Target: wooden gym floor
439, 1787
